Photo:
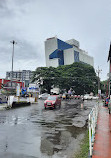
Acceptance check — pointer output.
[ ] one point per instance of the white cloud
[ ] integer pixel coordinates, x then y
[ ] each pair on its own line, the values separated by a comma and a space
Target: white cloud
31, 22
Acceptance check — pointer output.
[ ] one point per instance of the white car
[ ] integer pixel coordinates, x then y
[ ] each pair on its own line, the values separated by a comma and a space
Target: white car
95, 97
44, 96
88, 97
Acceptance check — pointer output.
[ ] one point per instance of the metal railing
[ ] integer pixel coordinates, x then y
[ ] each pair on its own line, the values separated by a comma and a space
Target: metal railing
92, 126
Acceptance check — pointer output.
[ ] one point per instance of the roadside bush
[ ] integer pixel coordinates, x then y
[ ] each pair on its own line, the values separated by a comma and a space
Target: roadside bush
84, 147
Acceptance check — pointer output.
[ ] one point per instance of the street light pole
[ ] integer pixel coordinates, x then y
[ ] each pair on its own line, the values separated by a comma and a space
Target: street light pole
98, 71
13, 42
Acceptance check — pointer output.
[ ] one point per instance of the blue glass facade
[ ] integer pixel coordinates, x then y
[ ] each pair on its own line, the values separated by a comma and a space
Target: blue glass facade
76, 56
63, 45
61, 58
58, 53
54, 54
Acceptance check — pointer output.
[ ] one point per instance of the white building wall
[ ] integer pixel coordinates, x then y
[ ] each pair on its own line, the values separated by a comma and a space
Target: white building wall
68, 56
54, 62
86, 58
83, 56
50, 46
73, 42
76, 49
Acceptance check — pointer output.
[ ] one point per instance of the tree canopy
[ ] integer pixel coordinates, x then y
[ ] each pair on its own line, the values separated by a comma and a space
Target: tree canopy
78, 76
104, 87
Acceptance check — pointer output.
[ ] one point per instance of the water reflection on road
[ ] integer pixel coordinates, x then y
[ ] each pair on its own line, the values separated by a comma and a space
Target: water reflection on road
33, 132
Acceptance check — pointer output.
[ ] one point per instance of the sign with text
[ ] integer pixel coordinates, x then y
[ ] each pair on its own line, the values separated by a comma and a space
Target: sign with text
33, 88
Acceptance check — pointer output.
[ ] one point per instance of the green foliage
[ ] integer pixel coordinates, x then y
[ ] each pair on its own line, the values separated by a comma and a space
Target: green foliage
48, 75
84, 147
81, 77
104, 86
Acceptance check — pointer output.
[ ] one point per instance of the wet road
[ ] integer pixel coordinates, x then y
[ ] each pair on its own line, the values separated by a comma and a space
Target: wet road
33, 132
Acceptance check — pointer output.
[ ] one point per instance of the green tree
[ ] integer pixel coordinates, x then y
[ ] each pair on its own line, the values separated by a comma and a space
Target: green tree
79, 76
104, 87
48, 75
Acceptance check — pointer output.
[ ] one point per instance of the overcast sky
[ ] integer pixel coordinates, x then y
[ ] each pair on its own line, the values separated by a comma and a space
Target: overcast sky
31, 22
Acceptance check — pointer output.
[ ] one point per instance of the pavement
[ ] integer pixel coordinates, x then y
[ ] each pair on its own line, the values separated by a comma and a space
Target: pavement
102, 144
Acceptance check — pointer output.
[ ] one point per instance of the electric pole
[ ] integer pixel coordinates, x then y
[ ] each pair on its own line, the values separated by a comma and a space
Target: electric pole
13, 42
98, 71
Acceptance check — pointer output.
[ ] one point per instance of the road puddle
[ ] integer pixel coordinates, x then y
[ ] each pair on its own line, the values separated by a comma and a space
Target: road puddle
33, 132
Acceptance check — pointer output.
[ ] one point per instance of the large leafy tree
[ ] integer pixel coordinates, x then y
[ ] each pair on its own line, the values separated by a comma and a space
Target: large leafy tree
81, 77
104, 87
78, 76
49, 77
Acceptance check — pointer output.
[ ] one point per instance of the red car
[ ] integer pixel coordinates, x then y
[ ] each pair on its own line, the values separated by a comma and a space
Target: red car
52, 101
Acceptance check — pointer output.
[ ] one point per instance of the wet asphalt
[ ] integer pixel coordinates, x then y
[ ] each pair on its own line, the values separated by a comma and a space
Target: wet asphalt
33, 132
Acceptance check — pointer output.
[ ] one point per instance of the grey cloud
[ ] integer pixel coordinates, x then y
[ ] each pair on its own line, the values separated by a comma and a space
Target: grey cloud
26, 50
3, 4
23, 50
12, 8
23, 2
4, 10
30, 22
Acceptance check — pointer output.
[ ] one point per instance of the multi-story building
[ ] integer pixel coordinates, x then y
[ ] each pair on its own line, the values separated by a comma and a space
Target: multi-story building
24, 75
58, 52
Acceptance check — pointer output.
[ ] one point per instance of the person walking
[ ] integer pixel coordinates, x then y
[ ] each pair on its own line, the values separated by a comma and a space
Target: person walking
107, 101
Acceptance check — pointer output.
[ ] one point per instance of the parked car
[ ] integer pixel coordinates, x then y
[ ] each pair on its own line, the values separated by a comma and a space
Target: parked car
95, 97
44, 96
55, 91
52, 101
88, 97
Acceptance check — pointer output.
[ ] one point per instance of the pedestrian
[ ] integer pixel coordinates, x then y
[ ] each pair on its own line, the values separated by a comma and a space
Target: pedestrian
107, 101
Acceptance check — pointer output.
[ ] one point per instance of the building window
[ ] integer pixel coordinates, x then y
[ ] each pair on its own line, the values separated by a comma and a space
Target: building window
76, 56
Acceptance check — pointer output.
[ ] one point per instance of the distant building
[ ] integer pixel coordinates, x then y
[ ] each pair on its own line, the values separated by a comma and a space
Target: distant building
24, 75
58, 52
